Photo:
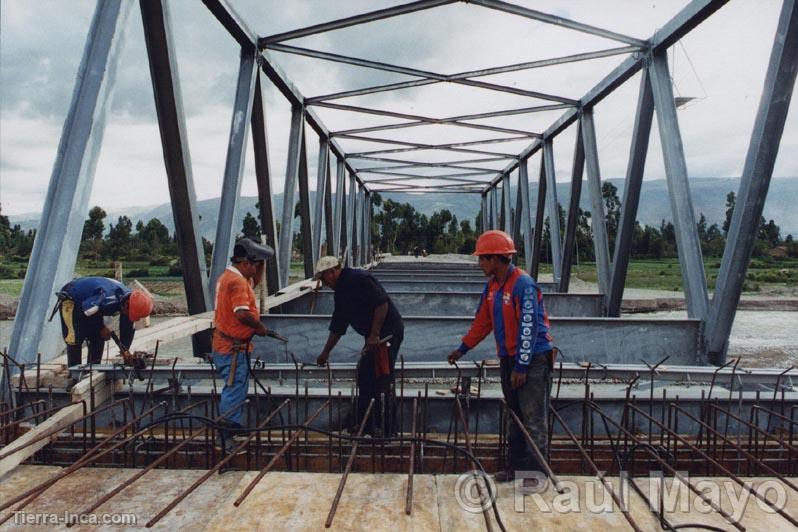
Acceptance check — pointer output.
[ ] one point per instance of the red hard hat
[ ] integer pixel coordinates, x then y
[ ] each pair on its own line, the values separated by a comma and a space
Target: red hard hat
139, 305
495, 243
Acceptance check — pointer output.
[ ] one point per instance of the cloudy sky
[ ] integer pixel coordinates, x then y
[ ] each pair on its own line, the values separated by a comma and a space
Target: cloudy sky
721, 64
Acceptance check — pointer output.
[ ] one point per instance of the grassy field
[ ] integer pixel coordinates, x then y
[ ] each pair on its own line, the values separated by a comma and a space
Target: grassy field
764, 276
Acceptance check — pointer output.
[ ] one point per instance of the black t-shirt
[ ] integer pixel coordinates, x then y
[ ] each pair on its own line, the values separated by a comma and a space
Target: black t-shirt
357, 294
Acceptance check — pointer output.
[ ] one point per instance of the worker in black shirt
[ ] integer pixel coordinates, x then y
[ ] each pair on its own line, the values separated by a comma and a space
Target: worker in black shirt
361, 301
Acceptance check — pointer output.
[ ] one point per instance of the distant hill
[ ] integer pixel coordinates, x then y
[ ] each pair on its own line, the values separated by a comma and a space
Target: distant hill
709, 197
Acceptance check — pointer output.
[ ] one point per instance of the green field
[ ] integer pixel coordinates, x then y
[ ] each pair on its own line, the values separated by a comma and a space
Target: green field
770, 275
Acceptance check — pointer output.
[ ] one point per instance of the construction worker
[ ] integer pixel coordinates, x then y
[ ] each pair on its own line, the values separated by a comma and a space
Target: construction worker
361, 301
512, 307
87, 306
237, 320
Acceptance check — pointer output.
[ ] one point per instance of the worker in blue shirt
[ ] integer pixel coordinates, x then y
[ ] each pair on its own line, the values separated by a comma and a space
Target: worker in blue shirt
84, 306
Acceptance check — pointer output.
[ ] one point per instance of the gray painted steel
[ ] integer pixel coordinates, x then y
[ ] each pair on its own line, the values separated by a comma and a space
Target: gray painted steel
690, 259
263, 177
494, 208
295, 140
427, 264
322, 176
525, 213
55, 248
507, 211
758, 169
597, 340
569, 241
537, 236
350, 221
338, 211
305, 211
553, 210
631, 194
597, 218
162, 56
233, 167
442, 277
483, 201
447, 304
459, 286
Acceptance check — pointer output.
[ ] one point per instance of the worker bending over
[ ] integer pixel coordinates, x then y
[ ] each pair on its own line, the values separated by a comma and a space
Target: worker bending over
237, 320
361, 301
512, 307
87, 307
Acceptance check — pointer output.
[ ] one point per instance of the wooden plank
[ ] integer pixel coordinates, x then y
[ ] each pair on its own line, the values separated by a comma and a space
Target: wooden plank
61, 420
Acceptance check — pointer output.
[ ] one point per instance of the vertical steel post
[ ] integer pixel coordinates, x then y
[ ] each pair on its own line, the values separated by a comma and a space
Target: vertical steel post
340, 203
689, 246
517, 214
328, 210
759, 161
263, 177
233, 166
295, 142
350, 221
322, 175
553, 209
539, 216
366, 226
507, 218
598, 223
494, 213
631, 194
525, 211
569, 243
55, 249
483, 201
305, 212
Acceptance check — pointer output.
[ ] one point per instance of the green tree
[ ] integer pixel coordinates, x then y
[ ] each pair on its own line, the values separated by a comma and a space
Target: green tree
251, 228
612, 208
730, 200
119, 243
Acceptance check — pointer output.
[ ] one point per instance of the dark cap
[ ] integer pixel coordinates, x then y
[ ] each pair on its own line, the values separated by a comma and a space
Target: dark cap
249, 250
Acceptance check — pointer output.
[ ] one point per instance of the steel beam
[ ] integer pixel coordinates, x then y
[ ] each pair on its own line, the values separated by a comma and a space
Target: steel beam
677, 27
597, 340
411, 303
534, 268
328, 209
295, 142
525, 213
598, 219
558, 21
494, 212
641, 133
322, 176
55, 248
234, 166
507, 210
326, 56
690, 260
476, 73
350, 222
371, 16
553, 210
516, 234
757, 171
305, 212
572, 220
483, 201
340, 199
263, 177
232, 22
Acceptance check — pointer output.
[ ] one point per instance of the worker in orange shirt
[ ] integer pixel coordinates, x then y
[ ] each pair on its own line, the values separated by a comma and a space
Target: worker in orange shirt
237, 320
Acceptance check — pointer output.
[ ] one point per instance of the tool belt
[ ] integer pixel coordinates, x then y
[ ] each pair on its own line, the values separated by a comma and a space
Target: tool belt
239, 344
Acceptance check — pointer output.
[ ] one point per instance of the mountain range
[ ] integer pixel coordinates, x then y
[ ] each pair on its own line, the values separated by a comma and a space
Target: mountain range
708, 195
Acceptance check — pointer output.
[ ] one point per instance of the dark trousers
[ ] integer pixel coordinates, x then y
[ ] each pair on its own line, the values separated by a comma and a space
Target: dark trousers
383, 413
530, 403
78, 328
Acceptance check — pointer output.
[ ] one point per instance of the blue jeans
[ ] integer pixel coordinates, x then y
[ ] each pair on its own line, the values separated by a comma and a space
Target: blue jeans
237, 393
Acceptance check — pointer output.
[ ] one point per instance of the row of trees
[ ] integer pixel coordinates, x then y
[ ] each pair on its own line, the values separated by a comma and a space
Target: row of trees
396, 228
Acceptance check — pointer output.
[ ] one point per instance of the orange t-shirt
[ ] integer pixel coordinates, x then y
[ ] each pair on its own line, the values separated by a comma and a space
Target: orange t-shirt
233, 293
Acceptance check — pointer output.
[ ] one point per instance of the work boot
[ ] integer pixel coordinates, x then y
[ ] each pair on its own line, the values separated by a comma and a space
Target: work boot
227, 432
507, 475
